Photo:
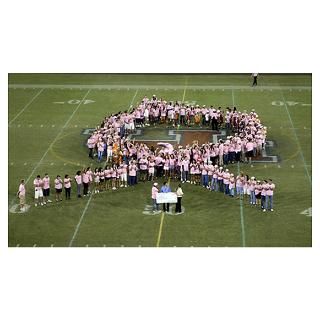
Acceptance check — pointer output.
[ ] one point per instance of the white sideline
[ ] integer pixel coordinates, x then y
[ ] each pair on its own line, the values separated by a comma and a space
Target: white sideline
298, 143
146, 86
56, 138
26, 106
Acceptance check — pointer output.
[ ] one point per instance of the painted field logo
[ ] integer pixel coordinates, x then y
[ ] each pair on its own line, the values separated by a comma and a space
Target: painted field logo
151, 136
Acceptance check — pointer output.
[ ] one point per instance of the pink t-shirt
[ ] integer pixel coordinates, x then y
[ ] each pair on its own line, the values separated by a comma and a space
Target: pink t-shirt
85, 178
38, 183
46, 183
22, 190
154, 192
58, 183
271, 187
67, 182
78, 179
249, 146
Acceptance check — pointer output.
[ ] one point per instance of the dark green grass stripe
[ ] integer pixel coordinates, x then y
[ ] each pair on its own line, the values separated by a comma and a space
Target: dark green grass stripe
297, 139
26, 106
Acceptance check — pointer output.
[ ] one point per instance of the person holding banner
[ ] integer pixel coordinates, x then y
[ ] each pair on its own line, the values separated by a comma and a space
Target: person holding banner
165, 188
179, 193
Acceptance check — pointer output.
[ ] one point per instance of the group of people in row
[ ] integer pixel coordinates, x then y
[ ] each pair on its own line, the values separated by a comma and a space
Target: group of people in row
111, 141
209, 176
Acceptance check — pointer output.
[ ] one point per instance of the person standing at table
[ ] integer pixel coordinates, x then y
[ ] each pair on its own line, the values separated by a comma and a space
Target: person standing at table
154, 192
179, 193
165, 189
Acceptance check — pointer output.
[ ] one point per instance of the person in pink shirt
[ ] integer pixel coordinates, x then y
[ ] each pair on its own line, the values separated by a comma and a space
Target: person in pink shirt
132, 173
46, 188
22, 195
269, 196
232, 185
78, 179
85, 182
67, 186
226, 181
96, 180
124, 175
249, 152
151, 166
257, 192
38, 193
251, 187
58, 187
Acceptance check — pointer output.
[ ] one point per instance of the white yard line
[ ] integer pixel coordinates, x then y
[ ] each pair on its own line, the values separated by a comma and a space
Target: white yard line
297, 139
80, 221
87, 205
243, 231
132, 100
146, 86
26, 106
184, 91
56, 138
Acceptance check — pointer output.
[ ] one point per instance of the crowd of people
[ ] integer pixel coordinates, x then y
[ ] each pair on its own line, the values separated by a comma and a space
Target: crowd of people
127, 162
110, 141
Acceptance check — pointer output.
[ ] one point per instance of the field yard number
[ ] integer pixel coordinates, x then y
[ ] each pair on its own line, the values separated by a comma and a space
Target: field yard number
75, 101
307, 212
289, 103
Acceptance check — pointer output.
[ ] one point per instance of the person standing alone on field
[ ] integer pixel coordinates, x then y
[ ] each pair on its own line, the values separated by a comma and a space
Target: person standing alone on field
22, 195
255, 79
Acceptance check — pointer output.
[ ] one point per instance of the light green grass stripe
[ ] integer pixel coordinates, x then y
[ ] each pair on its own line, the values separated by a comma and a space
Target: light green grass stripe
26, 106
87, 205
57, 137
80, 221
146, 86
297, 139
243, 231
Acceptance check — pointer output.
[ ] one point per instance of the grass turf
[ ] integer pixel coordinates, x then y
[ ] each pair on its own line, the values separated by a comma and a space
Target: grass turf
52, 133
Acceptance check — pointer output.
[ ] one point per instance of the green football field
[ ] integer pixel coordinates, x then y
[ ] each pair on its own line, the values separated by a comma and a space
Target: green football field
47, 118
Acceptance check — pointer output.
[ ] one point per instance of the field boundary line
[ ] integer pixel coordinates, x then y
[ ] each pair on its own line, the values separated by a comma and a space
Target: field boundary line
80, 221
57, 136
184, 91
243, 231
297, 139
155, 86
26, 106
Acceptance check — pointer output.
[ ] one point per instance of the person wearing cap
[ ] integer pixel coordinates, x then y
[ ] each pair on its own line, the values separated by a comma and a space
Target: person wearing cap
154, 191
179, 193
165, 188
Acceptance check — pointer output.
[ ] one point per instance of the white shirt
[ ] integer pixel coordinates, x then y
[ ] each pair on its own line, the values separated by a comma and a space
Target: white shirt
179, 192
